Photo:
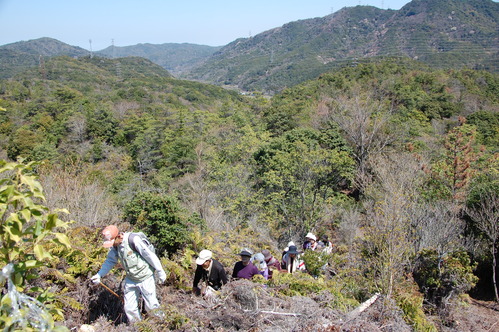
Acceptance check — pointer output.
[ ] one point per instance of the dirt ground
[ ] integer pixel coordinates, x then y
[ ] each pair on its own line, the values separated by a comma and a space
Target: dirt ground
246, 306
473, 315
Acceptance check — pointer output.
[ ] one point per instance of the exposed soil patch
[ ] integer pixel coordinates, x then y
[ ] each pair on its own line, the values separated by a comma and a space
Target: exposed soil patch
476, 315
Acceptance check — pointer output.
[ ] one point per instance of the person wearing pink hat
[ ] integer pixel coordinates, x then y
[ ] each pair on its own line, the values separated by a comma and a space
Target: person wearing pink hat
139, 262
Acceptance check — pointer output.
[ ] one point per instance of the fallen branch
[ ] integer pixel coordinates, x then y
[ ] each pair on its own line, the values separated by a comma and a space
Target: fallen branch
354, 313
112, 292
280, 313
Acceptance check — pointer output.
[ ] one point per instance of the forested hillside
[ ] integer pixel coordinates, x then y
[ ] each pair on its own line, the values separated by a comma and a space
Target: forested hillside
176, 58
17, 57
396, 162
439, 33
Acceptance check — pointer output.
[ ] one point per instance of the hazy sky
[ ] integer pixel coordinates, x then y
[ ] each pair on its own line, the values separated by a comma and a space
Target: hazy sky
127, 22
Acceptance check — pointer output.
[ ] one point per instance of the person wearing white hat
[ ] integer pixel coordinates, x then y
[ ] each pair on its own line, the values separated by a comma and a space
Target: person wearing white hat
310, 242
259, 261
210, 272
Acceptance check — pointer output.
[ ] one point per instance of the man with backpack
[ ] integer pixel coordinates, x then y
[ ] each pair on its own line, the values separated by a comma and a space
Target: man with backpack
139, 262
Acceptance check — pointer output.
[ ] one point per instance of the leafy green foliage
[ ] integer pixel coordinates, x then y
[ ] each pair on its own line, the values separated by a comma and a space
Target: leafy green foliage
306, 285
487, 124
161, 218
442, 277
315, 261
410, 300
299, 175
27, 228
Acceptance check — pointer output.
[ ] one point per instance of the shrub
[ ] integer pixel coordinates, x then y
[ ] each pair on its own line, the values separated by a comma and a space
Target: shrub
315, 261
441, 277
29, 235
410, 300
161, 218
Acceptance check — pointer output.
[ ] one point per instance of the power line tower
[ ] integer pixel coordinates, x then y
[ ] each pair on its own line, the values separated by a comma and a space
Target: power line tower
91, 53
119, 73
41, 67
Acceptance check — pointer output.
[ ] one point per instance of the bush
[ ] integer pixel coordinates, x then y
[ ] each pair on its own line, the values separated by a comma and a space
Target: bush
315, 261
410, 300
161, 218
30, 235
441, 277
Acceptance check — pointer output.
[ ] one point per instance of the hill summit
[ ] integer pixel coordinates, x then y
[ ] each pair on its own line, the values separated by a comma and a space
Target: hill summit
442, 33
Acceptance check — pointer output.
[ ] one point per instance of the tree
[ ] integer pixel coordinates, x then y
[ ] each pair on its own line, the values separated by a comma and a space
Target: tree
299, 176
451, 175
162, 219
485, 215
389, 206
364, 121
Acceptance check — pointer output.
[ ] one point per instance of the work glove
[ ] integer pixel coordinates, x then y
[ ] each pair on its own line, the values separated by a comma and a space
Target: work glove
161, 276
96, 279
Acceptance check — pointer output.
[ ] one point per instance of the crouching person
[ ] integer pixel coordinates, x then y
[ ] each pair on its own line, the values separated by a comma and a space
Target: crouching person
139, 263
210, 272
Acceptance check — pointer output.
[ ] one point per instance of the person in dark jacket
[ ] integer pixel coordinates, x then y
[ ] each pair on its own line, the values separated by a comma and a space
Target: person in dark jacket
209, 271
244, 269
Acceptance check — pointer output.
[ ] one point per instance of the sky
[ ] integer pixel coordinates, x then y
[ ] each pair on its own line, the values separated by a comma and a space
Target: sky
97, 24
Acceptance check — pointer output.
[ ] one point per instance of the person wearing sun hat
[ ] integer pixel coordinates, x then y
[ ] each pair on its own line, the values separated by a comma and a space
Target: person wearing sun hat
139, 262
208, 271
271, 261
310, 242
244, 269
259, 261
292, 262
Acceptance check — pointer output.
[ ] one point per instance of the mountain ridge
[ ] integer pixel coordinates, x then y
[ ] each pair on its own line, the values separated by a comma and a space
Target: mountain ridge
442, 33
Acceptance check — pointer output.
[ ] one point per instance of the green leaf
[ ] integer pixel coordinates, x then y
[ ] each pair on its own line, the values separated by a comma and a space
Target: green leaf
26, 214
63, 239
41, 253
29, 264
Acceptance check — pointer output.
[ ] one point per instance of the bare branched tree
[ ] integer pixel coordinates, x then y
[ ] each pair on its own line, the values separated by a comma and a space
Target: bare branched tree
486, 218
87, 201
436, 226
364, 121
392, 197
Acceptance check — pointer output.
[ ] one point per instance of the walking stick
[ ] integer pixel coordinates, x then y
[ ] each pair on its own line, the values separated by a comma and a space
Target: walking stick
112, 292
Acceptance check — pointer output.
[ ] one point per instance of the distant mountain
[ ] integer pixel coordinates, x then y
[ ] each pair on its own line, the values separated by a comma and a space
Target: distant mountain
16, 57
176, 58
94, 69
45, 47
442, 33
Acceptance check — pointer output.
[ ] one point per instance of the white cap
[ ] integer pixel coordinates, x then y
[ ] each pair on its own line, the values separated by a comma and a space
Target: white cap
203, 256
311, 236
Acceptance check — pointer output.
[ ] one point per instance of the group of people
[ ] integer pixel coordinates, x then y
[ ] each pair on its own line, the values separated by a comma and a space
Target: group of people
212, 274
140, 264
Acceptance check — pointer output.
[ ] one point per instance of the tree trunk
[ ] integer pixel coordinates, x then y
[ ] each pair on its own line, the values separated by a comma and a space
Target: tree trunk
494, 263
